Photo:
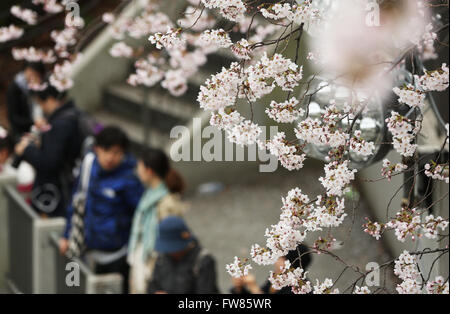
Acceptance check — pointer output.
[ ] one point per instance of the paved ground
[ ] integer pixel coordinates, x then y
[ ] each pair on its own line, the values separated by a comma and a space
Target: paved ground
229, 222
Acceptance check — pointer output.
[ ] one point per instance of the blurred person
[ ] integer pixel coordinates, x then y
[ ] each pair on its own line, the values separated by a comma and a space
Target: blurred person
52, 151
6, 147
183, 266
25, 174
103, 203
160, 200
248, 285
22, 111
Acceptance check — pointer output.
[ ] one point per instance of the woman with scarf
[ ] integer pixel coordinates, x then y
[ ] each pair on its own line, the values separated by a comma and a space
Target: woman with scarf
161, 199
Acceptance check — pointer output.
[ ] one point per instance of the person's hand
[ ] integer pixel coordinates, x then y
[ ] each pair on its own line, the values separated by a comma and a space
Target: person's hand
20, 147
251, 284
238, 283
40, 123
63, 246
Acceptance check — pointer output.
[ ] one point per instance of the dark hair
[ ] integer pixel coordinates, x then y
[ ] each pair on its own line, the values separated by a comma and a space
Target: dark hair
111, 136
7, 143
158, 161
38, 67
293, 257
49, 91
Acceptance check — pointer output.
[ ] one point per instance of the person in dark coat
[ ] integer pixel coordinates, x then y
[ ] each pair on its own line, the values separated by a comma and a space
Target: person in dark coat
183, 266
53, 152
248, 285
21, 110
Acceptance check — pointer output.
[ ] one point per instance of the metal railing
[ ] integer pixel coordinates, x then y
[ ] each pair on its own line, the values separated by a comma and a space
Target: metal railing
35, 264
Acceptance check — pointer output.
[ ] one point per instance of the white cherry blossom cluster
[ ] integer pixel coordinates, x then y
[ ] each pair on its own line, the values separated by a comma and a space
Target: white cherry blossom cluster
436, 80
301, 13
292, 277
312, 131
262, 255
121, 49
389, 169
326, 287
329, 212
147, 73
406, 269
325, 244
361, 146
289, 155
375, 229
426, 47
221, 89
31, 54
285, 112
232, 10
269, 72
212, 40
50, 6
10, 32
239, 268
224, 119
61, 75
409, 222
63, 39
403, 133
244, 133
26, 15
438, 286
108, 17
175, 82
410, 96
171, 40
361, 290
297, 210
437, 172
241, 49
337, 177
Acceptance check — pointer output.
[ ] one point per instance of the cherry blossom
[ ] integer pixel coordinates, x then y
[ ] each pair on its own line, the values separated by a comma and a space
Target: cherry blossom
410, 95
390, 169
170, 40
175, 82
244, 133
238, 268
403, 133
10, 32
436, 80
26, 15
232, 10
241, 49
437, 172
360, 146
121, 49
291, 156
408, 221
31, 54
326, 287
337, 177
375, 229
285, 112
438, 286
329, 212
361, 290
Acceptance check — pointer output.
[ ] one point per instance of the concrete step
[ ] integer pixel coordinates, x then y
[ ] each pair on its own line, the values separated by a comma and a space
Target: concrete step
137, 133
152, 106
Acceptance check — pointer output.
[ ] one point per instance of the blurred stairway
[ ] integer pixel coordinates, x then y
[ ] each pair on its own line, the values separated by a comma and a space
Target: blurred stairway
146, 114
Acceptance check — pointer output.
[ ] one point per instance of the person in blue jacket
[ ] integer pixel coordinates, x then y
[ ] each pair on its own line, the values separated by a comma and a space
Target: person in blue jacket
113, 192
